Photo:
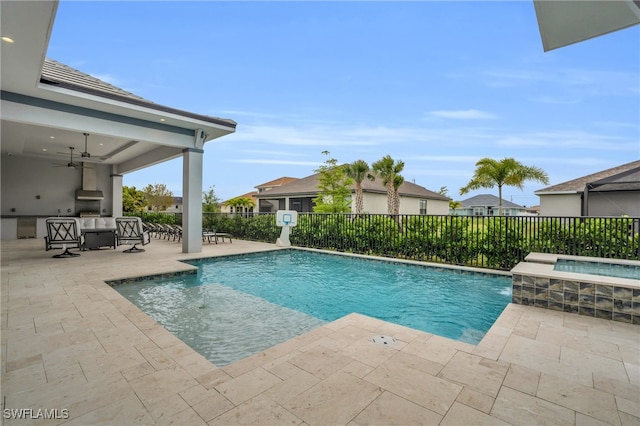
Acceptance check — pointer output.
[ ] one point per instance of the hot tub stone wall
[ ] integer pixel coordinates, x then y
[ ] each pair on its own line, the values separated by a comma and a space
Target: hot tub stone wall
589, 299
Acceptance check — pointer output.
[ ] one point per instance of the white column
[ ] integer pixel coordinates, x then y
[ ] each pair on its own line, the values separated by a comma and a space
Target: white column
116, 195
192, 200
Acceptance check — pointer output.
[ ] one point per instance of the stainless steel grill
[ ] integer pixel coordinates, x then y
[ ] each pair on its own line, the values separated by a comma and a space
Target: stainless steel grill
90, 213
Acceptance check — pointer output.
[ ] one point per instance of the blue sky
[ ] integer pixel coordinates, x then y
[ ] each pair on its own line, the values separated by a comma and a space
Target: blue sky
438, 85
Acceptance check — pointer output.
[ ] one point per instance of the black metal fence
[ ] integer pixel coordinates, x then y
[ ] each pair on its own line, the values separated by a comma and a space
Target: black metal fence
489, 242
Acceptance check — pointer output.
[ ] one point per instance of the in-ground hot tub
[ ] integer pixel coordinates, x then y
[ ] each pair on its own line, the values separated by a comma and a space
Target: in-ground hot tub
579, 285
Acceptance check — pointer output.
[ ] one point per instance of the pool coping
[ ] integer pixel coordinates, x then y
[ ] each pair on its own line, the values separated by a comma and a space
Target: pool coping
111, 364
192, 269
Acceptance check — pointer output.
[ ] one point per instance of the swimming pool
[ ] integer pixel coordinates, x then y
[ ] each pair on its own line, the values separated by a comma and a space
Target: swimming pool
598, 268
239, 305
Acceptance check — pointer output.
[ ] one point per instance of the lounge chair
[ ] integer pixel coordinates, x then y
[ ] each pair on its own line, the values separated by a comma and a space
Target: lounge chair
63, 233
129, 231
208, 235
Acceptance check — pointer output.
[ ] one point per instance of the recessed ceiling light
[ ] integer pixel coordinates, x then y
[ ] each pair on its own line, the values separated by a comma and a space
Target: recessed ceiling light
162, 119
6, 39
52, 137
44, 149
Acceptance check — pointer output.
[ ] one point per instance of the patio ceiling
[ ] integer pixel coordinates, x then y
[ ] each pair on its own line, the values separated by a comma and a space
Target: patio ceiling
562, 23
38, 114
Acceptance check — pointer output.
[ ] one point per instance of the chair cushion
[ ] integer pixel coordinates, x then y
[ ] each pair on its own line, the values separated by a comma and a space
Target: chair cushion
97, 222
87, 223
105, 222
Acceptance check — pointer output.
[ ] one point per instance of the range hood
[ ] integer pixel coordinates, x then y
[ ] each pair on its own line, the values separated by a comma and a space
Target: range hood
82, 194
89, 182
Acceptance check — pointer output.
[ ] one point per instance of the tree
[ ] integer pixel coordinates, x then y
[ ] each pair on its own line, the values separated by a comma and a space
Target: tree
387, 169
397, 181
210, 201
358, 171
508, 171
240, 202
454, 204
334, 188
158, 196
133, 200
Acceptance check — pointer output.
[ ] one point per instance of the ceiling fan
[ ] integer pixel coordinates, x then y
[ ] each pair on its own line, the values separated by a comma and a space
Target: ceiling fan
71, 163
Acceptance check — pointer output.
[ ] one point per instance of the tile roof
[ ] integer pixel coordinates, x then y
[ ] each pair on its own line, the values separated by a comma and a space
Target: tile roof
628, 178
276, 182
488, 200
57, 74
308, 186
250, 195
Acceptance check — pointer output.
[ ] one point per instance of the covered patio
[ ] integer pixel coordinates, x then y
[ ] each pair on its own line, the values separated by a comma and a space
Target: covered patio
71, 342
50, 111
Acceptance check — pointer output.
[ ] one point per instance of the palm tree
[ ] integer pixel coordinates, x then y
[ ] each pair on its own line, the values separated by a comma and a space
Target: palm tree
454, 204
241, 203
508, 171
358, 171
397, 181
388, 169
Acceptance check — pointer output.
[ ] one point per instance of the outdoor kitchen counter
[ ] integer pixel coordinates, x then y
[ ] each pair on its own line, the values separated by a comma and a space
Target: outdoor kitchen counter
9, 225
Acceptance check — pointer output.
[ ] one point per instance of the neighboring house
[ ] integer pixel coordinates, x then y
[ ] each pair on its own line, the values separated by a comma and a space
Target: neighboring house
611, 192
175, 207
275, 183
487, 205
534, 210
299, 194
224, 208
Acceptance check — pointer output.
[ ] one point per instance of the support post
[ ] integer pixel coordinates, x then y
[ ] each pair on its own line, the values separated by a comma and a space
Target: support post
116, 195
192, 200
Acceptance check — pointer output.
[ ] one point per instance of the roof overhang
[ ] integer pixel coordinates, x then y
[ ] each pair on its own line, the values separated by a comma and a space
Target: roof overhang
573, 192
43, 117
562, 23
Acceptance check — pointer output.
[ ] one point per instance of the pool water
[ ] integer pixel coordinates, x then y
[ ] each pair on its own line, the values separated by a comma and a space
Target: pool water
239, 305
598, 268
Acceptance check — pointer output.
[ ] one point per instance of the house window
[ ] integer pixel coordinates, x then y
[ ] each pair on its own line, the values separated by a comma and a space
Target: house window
296, 204
423, 206
478, 211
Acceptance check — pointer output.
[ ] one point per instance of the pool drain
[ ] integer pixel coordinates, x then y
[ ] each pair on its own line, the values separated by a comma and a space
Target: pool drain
384, 340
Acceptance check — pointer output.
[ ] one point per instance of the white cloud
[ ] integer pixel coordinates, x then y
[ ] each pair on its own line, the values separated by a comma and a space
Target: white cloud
468, 114
575, 81
449, 158
279, 162
569, 139
272, 153
323, 136
573, 161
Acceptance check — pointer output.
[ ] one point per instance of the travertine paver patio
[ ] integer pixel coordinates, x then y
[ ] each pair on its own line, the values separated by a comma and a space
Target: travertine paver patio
69, 341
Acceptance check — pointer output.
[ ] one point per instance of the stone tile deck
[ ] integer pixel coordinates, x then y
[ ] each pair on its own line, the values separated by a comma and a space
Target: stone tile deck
69, 341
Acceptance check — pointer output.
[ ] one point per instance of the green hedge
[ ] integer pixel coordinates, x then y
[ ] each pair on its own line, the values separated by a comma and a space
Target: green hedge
490, 242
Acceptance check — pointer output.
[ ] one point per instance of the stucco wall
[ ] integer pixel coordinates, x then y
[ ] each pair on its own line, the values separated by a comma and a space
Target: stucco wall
377, 204
24, 178
560, 205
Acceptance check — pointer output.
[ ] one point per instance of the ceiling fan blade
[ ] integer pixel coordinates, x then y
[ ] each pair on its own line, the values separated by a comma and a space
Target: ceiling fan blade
67, 165
70, 164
